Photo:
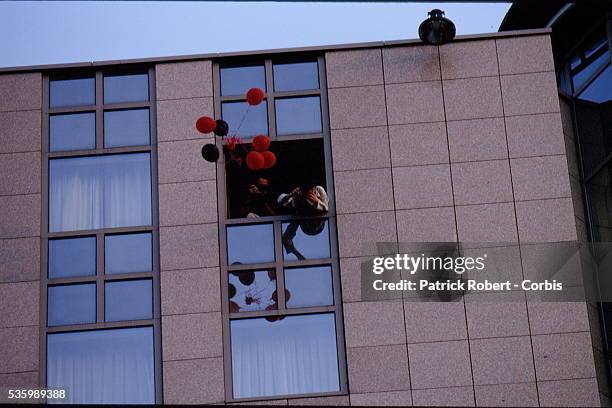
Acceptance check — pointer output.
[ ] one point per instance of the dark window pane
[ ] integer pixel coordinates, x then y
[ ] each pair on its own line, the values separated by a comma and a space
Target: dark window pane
238, 80
296, 76
71, 304
128, 253
599, 191
126, 88
290, 355
298, 115
308, 239
72, 132
600, 90
245, 120
103, 366
252, 290
72, 257
310, 286
248, 244
128, 300
72, 92
99, 192
580, 78
126, 128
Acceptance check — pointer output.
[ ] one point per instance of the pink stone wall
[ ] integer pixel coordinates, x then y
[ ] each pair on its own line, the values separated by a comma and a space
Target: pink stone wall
462, 141
20, 214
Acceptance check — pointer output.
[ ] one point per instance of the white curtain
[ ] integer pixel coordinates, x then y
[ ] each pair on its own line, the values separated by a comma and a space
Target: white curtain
295, 355
99, 192
103, 366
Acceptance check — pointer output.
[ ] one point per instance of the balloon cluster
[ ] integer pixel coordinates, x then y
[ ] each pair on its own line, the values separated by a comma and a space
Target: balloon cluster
247, 278
259, 157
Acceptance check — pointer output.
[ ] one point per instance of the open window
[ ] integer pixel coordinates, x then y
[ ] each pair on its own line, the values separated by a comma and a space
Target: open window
279, 257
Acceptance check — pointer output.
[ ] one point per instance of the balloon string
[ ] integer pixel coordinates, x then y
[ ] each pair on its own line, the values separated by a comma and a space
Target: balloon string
246, 112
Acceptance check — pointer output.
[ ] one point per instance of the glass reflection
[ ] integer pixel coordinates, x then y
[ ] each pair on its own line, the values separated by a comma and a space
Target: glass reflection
296, 76
600, 90
309, 287
291, 355
238, 80
126, 88
103, 366
128, 253
71, 304
252, 290
306, 239
248, 244
72, 257
298, 115
72, 92
128, 300
72, 132
245, 120
126, 128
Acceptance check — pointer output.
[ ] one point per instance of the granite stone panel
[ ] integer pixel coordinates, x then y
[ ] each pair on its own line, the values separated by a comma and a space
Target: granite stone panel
20, 131
379, 368
179, 80
416, 102
439, 365
20, 216
518, 55
188, 203
468, 59
176, 118
357, 107
374, 323
19, 259
20, 91
411, 64
472, 98
19, 303
354, 68
418, 144
188, 291
188, 247
477, 139
183, 381
361, 148
192, 336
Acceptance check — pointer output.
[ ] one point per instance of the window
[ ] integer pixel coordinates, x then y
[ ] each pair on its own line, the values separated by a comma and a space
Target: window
281, 296
101, 283
106, 366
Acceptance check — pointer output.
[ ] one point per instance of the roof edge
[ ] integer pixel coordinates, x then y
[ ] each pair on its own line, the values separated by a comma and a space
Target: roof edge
332, 47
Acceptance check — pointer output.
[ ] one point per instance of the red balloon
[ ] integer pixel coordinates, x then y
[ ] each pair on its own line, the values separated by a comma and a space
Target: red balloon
271, 318
254, 160
206, 124
261, 143
255, 96
287, 296
233, 307
269, 159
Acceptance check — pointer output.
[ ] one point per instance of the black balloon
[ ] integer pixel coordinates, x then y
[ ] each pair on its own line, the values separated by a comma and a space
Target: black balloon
210, 152
246, 278
222, 128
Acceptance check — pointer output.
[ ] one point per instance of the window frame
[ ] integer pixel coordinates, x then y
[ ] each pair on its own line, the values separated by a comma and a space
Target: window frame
279, 264
100, 278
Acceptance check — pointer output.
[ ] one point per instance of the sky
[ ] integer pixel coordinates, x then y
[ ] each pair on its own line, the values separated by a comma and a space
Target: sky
35, 33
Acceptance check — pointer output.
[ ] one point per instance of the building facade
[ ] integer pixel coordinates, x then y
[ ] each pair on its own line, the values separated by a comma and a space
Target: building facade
121, 249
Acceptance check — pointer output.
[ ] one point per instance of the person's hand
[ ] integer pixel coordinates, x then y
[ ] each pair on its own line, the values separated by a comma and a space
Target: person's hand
312, 198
